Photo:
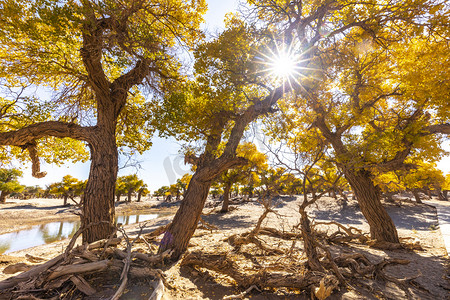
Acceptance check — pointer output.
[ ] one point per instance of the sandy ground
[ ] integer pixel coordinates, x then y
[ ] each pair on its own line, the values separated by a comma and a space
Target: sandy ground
416, 221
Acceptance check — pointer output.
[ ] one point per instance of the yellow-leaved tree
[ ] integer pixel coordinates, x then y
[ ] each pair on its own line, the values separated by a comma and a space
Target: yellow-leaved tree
76, 72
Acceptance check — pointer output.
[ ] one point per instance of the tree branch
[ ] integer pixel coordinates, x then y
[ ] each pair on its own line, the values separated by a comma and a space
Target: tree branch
437, 128
27, 135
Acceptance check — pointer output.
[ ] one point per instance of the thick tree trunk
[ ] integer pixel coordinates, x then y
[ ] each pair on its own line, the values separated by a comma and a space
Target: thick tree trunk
3, 197
445, 195
129, 195
226, 198
139, 197
98, 200
187, 217
382, 227
65, 199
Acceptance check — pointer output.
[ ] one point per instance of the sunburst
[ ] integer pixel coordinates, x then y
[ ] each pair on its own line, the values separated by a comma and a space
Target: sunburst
284, 65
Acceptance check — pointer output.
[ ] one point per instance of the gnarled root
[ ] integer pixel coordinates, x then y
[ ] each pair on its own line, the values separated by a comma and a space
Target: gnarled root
224, 264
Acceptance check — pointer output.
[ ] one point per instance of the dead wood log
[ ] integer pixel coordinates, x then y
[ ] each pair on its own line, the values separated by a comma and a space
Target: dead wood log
352, 233
237, 241
221, 263
158, 293
382, 245
80, 268
279, 234
34, 259
82, 285
135, 271
33, 272
357, 262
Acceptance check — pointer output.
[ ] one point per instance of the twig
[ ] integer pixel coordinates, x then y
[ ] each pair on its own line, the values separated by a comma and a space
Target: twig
127, 263
243, 294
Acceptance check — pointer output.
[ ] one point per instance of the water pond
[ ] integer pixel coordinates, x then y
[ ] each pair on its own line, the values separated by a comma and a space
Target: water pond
55, 231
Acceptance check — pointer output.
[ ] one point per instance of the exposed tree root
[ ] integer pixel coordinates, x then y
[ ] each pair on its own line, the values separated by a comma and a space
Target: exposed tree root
224, 264
205, 225
349, 233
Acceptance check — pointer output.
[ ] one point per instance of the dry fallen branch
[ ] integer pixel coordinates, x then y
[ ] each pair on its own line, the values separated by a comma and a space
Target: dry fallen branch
352, 233
64, 273
205, 225
243, 294
224, 264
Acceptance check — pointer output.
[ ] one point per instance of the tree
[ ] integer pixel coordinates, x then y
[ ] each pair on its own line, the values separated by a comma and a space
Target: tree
360, 91
142, 191
214, 111
256, 161
161, 192
446, 187
129, 184
33, 192
94, 56
69, 187
9, 183
120, 188
425, 177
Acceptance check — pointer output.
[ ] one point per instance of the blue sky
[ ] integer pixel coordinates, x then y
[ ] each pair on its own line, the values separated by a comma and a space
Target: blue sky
162, 164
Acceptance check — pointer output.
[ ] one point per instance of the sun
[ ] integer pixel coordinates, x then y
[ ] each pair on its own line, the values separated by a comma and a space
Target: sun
283, 65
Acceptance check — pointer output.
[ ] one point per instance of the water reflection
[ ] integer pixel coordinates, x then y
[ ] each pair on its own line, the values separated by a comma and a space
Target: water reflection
54, 231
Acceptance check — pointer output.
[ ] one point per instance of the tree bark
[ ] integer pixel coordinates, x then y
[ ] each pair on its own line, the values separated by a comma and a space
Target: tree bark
129, 195
226, 198
3, 197
382, 227
187, 217
98, 199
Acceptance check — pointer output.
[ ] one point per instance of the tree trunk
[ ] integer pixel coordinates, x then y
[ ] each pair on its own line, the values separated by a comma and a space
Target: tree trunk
382, 227
308, 241
98, 199
65, 199
445, 194
440, 194
417, 196
3, 197
118, 197
187, 217
344, 198
129, 195
226, 198
139, 197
